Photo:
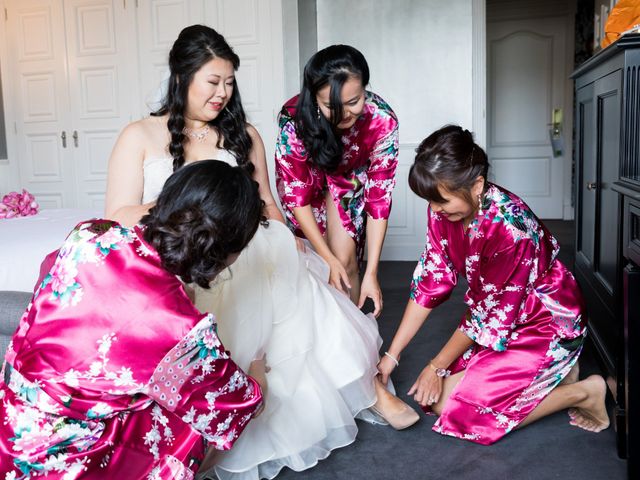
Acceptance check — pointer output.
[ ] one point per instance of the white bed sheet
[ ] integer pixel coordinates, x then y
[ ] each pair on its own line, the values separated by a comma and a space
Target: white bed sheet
25, 241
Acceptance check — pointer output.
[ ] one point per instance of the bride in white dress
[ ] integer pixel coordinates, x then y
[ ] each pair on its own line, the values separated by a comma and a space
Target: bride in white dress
309, 346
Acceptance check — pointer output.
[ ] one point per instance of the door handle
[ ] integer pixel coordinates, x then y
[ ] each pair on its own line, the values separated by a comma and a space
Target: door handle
555, 132
63, 136
591, 185
75, 138
556, 121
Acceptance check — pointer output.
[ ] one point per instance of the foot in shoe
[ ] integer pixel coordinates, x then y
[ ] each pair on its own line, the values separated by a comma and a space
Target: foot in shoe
393, 410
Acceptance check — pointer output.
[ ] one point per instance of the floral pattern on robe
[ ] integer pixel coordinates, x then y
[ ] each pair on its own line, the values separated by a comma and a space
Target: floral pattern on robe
525, 313
113, 373
363, 181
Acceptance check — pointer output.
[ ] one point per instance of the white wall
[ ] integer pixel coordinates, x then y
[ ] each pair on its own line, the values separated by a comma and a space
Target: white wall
421, 61
290, 48
4, 178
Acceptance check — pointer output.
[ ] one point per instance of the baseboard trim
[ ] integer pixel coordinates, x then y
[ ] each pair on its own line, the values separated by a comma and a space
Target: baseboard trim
402, 253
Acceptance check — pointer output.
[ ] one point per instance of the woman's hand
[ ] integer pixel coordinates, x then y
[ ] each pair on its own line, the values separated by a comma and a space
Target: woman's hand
370, 288
258, 370
427, 388
386, 365
338, 277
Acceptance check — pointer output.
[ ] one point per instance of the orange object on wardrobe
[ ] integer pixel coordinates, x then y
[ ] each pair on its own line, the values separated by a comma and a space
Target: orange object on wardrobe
624, 16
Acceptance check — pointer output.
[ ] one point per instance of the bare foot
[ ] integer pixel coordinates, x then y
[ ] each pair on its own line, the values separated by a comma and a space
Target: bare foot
392, 409
591, 413
572, 376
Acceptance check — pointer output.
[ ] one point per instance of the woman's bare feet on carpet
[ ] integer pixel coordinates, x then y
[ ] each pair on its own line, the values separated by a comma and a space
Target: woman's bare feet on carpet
392, 409
591, 413
572, 376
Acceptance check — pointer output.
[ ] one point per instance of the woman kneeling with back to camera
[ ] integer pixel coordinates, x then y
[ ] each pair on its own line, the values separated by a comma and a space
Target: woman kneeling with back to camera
113, 373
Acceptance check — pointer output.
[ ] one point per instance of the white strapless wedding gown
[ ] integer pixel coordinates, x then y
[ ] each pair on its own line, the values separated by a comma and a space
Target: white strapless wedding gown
321, 349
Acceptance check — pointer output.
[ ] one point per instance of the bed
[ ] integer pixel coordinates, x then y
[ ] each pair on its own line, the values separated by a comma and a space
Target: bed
25, 241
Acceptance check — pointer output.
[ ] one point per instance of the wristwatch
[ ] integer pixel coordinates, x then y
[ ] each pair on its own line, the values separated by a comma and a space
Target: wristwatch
440, 372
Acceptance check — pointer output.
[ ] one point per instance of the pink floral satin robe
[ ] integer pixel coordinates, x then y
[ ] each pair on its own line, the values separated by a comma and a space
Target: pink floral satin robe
525, 313
361, 185
113, 373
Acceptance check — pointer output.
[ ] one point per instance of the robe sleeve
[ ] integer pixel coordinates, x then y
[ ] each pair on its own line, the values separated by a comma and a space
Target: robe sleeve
434, 277
496, 303
201, 385
296, 178
381, 175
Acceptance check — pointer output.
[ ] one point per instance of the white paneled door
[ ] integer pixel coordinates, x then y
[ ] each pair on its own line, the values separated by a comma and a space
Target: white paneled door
38, 60
73, 73
100, 73
526, 77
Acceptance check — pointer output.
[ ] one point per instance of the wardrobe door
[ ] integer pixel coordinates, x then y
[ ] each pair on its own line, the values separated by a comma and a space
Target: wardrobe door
598, 208
608, 91
74, 72
42, 120
101, 66
588, 217
586, 175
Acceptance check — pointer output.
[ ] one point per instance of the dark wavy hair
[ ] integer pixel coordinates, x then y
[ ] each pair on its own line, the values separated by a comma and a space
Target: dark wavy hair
195, 46
331, 66
450, 158
206, 211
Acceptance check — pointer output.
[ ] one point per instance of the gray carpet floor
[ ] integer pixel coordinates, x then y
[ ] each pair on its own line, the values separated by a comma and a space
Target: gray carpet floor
548, 449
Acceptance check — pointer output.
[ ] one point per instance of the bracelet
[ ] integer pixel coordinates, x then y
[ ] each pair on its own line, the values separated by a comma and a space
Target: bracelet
440, 372
395, 360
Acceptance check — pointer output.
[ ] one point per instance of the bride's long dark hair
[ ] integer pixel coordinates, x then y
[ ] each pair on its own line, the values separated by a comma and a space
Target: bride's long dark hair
195, 46
331, 66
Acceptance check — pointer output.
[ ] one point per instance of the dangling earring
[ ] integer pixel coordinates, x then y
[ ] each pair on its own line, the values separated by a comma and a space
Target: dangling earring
318, 111
479, 202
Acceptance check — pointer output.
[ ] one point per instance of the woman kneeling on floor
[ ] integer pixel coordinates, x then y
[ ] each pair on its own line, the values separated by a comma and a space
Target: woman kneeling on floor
513, 358
113, 373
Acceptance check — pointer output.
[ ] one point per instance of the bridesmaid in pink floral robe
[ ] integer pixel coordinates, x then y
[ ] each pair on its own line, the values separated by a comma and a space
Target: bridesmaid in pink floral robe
361, 185
525, 327
336, 157
525, 313
113, 373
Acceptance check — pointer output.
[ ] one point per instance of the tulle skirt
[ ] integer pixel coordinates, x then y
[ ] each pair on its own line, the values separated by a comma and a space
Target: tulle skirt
322, 351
